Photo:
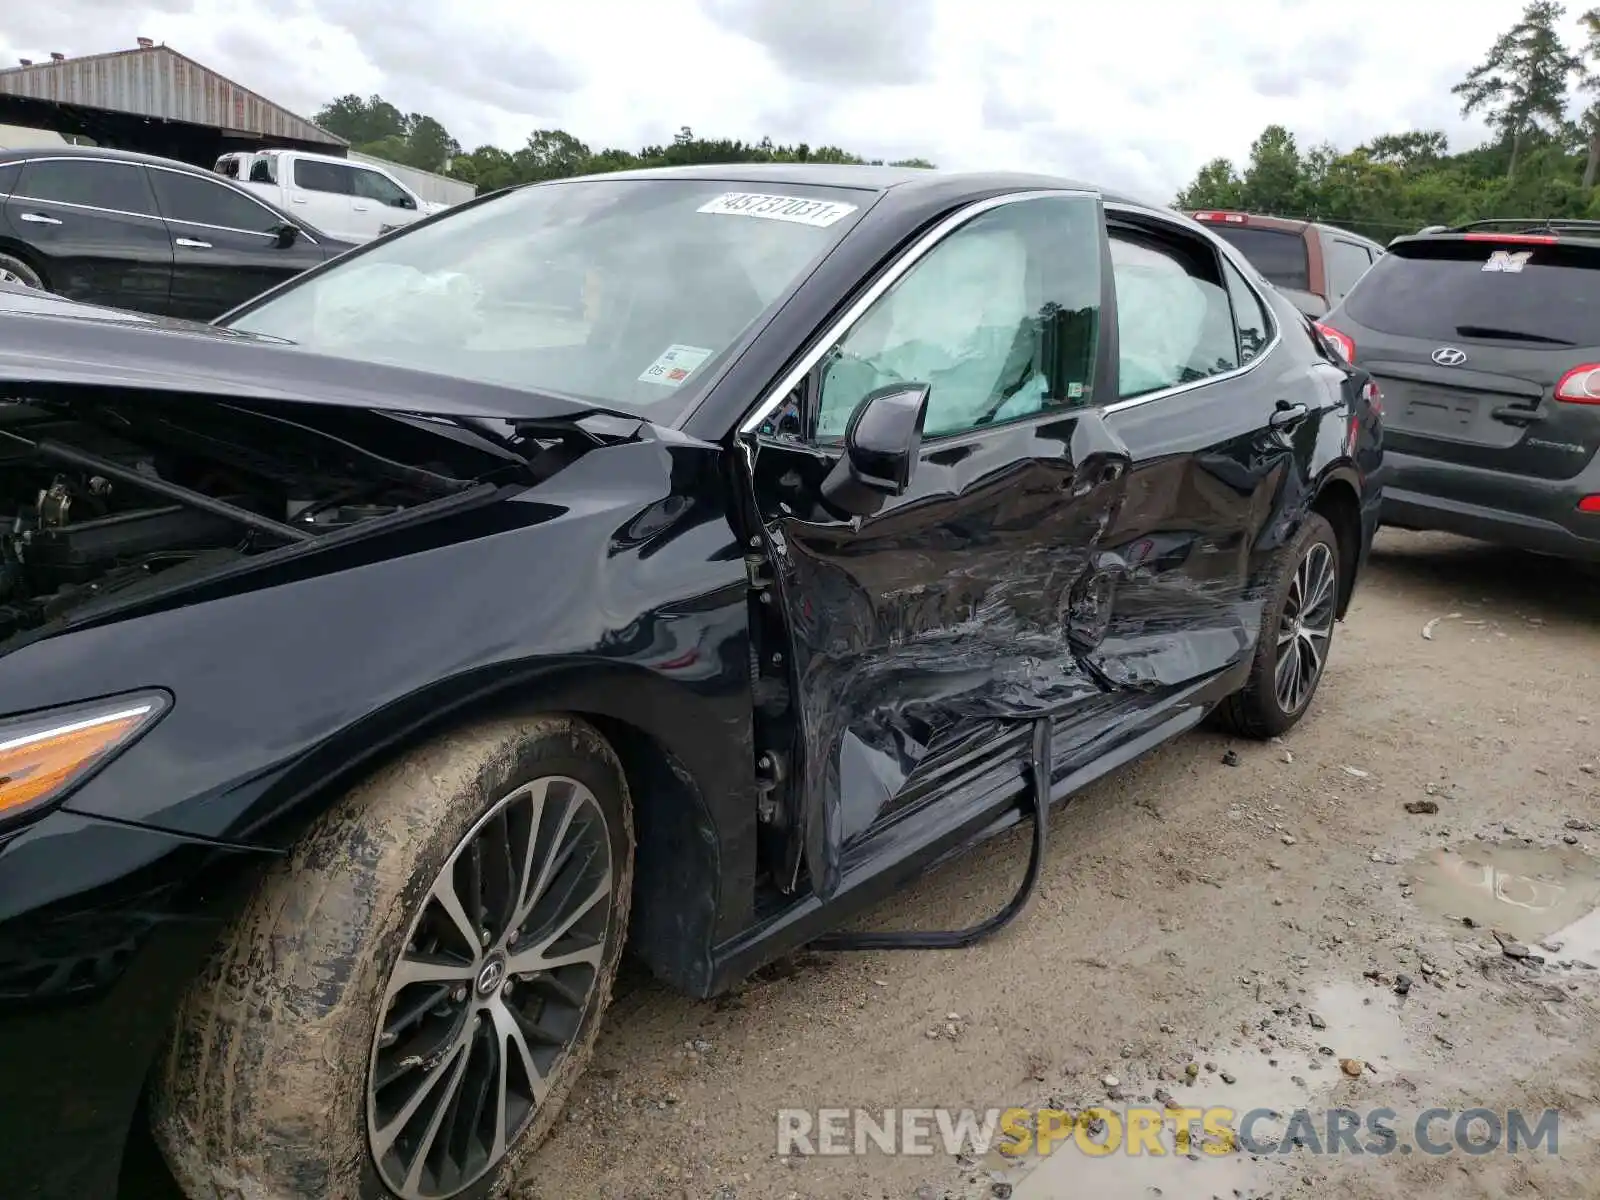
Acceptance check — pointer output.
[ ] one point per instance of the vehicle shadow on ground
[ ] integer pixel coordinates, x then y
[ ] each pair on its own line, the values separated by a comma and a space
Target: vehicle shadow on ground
1450, 570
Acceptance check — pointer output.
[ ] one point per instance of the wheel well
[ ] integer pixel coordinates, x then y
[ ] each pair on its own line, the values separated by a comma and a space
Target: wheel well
1338, 505
27, 257
677, 862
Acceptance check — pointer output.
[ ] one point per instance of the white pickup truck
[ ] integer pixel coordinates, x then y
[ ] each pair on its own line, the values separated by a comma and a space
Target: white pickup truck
350, 200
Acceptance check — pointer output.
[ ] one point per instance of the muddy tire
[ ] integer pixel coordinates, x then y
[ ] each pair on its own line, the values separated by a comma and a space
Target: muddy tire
14, 270
313, 1055
1297, 625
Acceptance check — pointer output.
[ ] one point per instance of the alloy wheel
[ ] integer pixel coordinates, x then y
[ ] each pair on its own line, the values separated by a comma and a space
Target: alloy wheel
1305, 630
9, 276
490, 989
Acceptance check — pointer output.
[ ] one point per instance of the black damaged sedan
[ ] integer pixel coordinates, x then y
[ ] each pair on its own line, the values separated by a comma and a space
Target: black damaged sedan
682, 560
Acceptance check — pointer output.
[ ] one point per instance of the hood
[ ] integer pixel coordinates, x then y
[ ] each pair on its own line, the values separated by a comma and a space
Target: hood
48, 344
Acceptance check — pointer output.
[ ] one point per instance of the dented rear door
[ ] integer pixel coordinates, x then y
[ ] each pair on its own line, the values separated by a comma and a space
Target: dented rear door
920, 634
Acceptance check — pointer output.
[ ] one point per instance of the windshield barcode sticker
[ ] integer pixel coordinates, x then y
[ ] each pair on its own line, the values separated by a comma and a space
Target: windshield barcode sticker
674, 365
795, 209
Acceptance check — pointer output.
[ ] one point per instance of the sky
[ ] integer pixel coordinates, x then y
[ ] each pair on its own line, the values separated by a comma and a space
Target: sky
1135, 95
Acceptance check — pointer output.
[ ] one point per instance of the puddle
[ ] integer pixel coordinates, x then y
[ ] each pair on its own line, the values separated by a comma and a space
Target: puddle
1537, 895
1361, 1022
1533, 893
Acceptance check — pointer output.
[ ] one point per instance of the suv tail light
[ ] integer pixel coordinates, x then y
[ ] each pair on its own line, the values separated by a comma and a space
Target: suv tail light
1339, 341
1581, 385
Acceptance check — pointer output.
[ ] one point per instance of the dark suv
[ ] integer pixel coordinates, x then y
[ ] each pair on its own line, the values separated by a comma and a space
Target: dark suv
1485, 340
1313, 265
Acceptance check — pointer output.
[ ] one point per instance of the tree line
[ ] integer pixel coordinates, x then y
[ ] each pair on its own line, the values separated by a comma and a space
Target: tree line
374, 126
1539, 96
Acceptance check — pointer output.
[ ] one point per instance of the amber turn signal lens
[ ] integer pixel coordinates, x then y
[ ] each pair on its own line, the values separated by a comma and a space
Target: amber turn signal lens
41, 756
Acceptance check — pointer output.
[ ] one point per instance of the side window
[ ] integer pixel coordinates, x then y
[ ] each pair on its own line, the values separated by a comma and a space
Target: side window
373, 186
1250, 316
1000, 320
263, 170
1174, 322
198, 201
120, 187
9, 174
227, 165
1347, 262
317, 176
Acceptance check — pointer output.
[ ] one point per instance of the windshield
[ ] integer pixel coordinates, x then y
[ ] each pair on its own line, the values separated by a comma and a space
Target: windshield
623, 293
1278, 254
1449, 289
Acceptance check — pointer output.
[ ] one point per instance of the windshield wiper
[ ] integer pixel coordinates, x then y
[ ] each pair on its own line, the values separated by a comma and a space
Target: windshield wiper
1511, 335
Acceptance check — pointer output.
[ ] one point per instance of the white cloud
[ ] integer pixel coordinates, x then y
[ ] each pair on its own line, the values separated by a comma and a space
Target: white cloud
1136, 95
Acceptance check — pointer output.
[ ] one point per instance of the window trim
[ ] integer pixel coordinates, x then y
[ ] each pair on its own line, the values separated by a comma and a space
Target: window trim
295, 162
1262, 307
1350, 241
384, 175
221, 181
218, 180
792, 378
115, 212
1228, 254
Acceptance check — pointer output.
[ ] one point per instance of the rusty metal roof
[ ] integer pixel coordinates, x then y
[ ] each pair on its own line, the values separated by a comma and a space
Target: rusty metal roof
160, 83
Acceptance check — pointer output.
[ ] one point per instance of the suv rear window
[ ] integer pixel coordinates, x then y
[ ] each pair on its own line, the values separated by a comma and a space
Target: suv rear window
1439, 290
1277, 253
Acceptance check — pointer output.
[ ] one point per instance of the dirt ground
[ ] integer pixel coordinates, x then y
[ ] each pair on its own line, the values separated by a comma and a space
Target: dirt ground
1248, 913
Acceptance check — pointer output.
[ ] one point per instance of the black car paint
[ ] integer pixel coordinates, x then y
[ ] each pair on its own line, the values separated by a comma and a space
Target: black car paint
141, 260
294, 674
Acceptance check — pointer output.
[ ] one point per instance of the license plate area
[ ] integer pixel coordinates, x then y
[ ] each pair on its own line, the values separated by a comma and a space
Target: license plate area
1449, 414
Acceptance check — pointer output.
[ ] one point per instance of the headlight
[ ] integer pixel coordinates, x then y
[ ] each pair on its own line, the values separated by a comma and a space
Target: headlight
44, 755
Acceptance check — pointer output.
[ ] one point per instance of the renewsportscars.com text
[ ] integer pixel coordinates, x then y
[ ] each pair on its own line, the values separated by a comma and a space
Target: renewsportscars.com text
1144, 1130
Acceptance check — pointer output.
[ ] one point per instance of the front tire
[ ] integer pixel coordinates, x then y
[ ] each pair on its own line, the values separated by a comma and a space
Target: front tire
1296, 635
410, 995
14, 270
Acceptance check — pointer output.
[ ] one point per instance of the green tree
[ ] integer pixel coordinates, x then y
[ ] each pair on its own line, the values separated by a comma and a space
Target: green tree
1272, 180
429, 145
1589, 84
1421, 148
1521, 86
361, 122
1216, 186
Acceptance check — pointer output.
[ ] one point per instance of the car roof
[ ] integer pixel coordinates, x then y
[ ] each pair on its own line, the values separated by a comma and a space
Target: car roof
1509, 230
100, 152
1283, 224
905, 180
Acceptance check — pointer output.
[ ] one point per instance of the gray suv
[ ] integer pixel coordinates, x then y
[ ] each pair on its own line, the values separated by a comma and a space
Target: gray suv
1485, 340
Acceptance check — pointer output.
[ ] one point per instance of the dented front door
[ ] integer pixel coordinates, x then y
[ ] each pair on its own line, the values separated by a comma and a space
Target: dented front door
919, 633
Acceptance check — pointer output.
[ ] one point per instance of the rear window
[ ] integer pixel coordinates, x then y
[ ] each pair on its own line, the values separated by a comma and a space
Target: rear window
1451, 289
1277, 253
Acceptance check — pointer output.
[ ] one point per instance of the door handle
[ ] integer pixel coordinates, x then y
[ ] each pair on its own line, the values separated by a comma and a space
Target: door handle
191, 243
1512, 415
38, 219
1287, 414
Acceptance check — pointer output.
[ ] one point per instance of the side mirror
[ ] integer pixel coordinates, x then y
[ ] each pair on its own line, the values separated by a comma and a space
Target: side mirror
881, 444
288, 235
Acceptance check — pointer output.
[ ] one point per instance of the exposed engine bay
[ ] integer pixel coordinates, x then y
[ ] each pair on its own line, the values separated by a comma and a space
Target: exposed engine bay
101, 498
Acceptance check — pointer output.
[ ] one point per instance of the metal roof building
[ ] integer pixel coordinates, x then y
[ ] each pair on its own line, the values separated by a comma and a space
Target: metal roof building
155, 100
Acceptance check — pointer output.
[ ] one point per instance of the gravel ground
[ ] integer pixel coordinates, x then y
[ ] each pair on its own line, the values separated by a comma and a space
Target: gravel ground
1254, 920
